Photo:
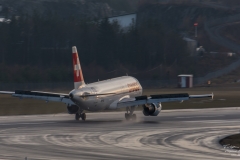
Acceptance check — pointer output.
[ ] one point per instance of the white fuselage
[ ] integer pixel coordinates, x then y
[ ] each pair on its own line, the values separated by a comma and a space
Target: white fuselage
107, 93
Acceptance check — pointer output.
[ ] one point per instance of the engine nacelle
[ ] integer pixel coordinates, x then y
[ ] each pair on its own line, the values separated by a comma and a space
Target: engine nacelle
72, 109
152, 109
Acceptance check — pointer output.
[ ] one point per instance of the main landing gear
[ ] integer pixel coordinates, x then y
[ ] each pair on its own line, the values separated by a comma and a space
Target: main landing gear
80, 115
130, 115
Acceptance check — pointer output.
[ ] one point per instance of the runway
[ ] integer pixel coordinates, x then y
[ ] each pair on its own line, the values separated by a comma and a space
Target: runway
177, 134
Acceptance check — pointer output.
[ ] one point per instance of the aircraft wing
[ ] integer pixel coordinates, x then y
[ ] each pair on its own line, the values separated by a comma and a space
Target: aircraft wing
47, 96
141, 100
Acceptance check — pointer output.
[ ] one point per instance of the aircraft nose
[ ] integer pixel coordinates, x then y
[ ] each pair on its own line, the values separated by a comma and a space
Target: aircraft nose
71, 95
75, 95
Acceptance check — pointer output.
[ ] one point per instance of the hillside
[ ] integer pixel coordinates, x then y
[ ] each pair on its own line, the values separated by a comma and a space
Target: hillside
232, 32
231, 78
79, 8
45, 31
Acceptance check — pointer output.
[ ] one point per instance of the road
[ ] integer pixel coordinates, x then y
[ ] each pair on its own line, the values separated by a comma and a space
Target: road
216, 30
216, 5
177, 134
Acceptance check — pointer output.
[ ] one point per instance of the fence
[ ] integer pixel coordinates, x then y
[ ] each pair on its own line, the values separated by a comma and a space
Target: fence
68, 86
36, 86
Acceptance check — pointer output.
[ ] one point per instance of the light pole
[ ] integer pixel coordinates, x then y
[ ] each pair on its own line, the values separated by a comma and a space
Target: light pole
196, 25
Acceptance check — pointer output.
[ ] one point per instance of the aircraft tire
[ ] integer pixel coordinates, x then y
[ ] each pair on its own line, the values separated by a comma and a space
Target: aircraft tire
77, 116
83, 116
134, 117
127, 116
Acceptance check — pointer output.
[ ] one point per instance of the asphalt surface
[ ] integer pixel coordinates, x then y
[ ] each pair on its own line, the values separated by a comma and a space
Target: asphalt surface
178, 134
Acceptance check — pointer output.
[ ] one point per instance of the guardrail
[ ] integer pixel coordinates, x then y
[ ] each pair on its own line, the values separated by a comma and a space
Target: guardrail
68, 86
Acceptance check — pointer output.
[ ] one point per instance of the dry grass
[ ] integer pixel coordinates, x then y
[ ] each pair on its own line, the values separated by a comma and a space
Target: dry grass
15, 106
230, 78
225, 96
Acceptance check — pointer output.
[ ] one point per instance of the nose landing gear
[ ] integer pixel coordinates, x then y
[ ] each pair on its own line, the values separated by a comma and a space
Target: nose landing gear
130, 115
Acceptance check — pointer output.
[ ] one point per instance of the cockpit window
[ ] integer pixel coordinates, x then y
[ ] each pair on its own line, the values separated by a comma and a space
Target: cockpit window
86, 93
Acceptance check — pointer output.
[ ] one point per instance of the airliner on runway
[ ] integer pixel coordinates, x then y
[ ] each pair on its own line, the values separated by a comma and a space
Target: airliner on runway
111, 94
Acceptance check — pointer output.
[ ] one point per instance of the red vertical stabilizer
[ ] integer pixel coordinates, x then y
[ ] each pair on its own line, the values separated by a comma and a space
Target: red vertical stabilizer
77, 70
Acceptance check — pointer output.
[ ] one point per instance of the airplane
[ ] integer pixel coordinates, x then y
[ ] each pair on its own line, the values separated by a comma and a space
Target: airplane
111, 94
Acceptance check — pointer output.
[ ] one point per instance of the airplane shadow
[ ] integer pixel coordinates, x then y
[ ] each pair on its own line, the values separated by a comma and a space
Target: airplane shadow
94, 122
91, 121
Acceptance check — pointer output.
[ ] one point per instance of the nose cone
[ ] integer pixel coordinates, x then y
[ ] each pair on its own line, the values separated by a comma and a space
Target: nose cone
72, 95
75, 95
79, 95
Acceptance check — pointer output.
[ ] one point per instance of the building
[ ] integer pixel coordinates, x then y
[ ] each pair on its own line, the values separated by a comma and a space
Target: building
191, 45
125, 21
185, 81
200, 51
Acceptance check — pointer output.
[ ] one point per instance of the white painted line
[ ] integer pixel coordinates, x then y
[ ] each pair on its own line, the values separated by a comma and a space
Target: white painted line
3, 117
201, 116
6, 124
202, 109
213, 121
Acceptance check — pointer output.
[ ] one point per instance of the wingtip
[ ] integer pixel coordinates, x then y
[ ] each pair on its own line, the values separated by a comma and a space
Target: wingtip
6, 92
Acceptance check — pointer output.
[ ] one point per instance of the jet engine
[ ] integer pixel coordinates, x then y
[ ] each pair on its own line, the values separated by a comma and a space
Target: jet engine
72, 109
152, 109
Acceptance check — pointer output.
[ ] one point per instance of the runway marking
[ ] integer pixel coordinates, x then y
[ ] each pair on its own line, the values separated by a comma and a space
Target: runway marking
3, 117
7, 124
201, 116
213, 121
120, 139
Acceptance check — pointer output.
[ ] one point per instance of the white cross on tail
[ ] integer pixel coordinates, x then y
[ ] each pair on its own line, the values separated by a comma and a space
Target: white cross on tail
77, 68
